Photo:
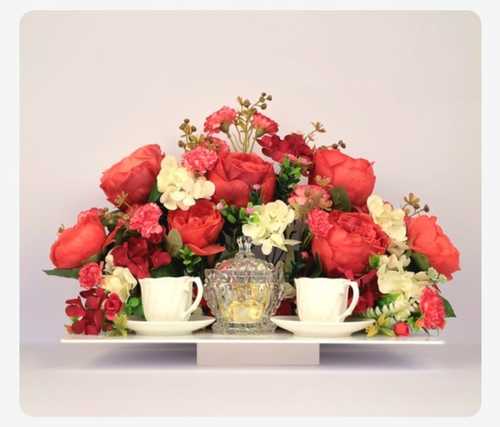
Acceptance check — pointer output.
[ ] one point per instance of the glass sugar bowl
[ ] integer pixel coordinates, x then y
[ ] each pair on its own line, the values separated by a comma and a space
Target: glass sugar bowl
243, 293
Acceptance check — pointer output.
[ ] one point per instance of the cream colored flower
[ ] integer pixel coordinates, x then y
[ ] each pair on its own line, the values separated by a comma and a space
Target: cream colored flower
393, 279
120, 281
389, 219
180, 188
267, 226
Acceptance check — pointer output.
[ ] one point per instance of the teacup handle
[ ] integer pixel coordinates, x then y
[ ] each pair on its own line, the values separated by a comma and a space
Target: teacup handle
199, 295
354, 301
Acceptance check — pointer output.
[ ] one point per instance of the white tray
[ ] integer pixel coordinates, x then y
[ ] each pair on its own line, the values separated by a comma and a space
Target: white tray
278, 349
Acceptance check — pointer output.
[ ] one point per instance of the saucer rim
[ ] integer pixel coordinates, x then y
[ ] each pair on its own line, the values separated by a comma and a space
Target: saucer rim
295, 319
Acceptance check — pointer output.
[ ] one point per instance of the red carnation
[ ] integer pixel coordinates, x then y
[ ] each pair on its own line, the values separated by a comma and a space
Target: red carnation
263, 125
432, 308
220, 120
90, 275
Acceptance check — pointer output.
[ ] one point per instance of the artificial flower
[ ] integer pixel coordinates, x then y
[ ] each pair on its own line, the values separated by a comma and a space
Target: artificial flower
319, 223
235, 176
112, 306
401, 329
333, 168
90, 275
305, 198
391, 220
293, 147
348, 243
432, 308
267, 224
145, 220
427, 237
130, 181
263, 125
199, 160
220, 120
133, 254
199, 227
120, 282
77, 244
160, 258
180, 188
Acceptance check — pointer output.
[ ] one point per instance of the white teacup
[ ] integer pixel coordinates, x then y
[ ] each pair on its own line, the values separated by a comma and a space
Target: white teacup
325, 300
170, 298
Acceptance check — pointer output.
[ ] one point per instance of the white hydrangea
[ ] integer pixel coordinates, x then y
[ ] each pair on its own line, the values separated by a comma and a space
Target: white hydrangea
121, 281
389, 219
393, 279
267, 225
180, 188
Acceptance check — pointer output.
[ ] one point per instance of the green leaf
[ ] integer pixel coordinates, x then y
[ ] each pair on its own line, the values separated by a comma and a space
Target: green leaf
133, 302
174, 242
155, 194
420, 260
448, 309
170, 270
374, 261
340, 199
387, 299
64, 272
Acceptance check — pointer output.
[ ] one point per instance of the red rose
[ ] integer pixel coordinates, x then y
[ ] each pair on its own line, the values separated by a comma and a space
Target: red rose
292, 146
236, 174
427, 237
199, 227
133, 254
263, 125
135, 175
347, 244
220, 120
76, 244
401, 329
90, 275
112, 306
88, 319
335, 169
432, 308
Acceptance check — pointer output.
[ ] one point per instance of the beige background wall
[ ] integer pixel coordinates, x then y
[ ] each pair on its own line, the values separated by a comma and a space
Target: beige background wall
401, 89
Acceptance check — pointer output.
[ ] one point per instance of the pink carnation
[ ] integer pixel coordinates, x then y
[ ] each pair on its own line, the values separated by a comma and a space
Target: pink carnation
264, 124
319, 223
314, 195
145, 220
200, 160
90, 275
220, 120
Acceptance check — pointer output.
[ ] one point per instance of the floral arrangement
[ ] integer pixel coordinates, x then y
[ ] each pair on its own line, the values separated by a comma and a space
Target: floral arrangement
312, 208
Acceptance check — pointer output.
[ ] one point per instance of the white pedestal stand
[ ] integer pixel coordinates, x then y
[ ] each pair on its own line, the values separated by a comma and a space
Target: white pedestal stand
250, 354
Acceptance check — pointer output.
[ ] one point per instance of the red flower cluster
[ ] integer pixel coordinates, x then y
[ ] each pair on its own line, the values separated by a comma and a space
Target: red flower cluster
263, 125
139, 255
293, 147
90, 275
236, 174
432, 308
348, 244
332, 168
95, 315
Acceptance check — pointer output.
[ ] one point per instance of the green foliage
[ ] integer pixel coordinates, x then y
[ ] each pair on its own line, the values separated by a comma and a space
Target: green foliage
63, 272
387, 299
340, 199
374, 261
119, 326
419, 262
170, 270
235, 215
155, 194
192, 263
255, 198
288, 177
133, 308
173, 242
448, 309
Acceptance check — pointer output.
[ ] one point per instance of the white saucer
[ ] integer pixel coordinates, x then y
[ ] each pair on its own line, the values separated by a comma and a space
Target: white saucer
169, 328
320, 329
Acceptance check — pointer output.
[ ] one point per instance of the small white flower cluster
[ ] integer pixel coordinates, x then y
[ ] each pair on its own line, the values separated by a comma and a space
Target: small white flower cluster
391, 220
117, 279
180, 188
267, 225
